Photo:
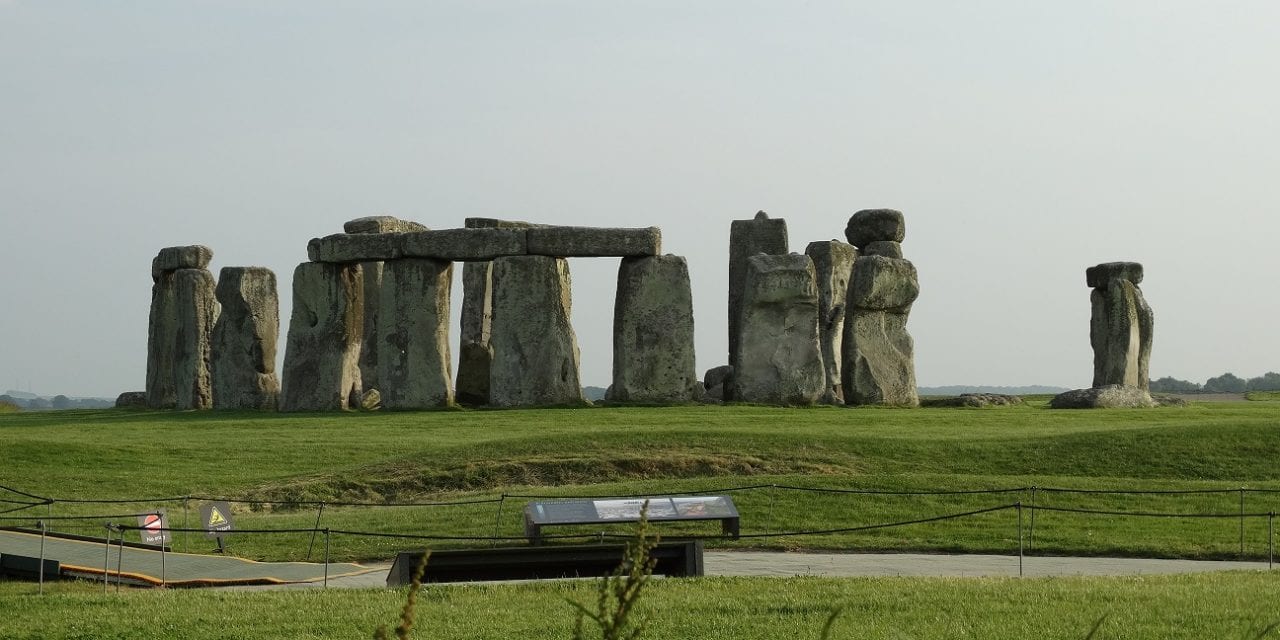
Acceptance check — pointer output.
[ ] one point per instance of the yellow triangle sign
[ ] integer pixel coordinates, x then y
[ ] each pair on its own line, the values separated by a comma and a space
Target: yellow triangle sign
216, 518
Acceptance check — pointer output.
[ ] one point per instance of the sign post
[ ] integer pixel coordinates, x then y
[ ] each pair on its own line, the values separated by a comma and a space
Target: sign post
215, 518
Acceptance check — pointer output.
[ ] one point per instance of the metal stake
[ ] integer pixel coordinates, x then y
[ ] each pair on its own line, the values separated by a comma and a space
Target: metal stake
497, 520
186, 535
1019, 504
314, 529
163, 581
40, 523
106, 558
768, 523
119, 561
1271, 540
326, 557
1031, 535
1242, 523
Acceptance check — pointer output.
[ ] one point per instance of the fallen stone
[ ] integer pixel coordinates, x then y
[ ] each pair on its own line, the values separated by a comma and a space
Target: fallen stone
747, 238
1106, 397
381, 224
195, 256
833, 265
346, 248
568, 242
243, 354
1099, 275
183, 312
886, 248
463, 245
414, 367
883, 284
874, 225
132, 400
495, 223
322, 352
717, 376
975, 400
779, 359
879, 358
535, 352
370, 400
653, 353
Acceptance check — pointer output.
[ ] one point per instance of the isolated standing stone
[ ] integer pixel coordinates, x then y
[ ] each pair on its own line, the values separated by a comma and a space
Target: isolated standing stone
244, 340
1120, 326
653, 355
779, 358
879, 353
183, 312
413, 334
322, 353
535, 351
747, 238
833, 265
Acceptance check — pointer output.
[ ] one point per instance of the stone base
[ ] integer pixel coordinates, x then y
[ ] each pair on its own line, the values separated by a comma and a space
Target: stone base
1112, 396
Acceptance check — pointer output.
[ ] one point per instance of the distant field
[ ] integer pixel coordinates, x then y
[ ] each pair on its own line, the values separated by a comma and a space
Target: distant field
452, 456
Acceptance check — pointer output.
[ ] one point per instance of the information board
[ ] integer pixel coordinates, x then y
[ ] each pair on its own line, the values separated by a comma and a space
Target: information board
615, 510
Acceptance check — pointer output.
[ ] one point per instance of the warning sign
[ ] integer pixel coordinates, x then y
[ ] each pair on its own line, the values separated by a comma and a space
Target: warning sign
216, 517
154, 528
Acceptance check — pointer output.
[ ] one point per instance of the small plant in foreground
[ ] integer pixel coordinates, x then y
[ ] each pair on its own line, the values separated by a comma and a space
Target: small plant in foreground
620, 590
408, 613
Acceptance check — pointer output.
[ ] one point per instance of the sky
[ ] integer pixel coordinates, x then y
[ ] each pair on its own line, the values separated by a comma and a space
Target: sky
1024, 141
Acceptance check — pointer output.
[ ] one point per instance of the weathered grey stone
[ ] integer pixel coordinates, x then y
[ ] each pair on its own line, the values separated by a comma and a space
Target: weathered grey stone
587, 242
322, 353
461, 245
833, 266
535, 351
355, 247
883, 284
195, 256
243, 355
132, 400
414, 367
874, 225
1105, 397
370, 400
1099, 275
475, 353
779, 359
886, 248
1120, 331
715, 384
975, 400
183, 312
879, 358
381, 224
747, 238
653, 354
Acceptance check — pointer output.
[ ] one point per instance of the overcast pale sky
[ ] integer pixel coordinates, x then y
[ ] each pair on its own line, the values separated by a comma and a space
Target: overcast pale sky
1024, 141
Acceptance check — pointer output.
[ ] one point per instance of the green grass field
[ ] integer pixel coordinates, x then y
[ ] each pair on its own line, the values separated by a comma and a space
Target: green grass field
459, 456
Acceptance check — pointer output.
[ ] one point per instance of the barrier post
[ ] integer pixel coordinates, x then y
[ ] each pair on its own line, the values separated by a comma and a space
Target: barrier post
314, 529
163, 582
119, 561
497, 519
186, 534
40, 523
326, 557
1031, 534
106, 558
1271, 540
768, 523
1242, 523
1019, 505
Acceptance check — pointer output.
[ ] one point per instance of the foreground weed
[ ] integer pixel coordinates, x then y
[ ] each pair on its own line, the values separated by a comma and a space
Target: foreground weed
620, 590
408, 612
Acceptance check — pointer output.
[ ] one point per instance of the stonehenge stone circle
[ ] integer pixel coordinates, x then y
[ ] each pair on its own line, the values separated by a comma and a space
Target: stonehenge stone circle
779, 358
833, 264
653, 355
183, 312
1120, 325
413, 334
322, 354
535, 351
878, 352
748, 238
243, 354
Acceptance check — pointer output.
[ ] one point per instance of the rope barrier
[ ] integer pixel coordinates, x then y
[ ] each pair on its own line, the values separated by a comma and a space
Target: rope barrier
1149, 514
92, 517
885, 492
886, 525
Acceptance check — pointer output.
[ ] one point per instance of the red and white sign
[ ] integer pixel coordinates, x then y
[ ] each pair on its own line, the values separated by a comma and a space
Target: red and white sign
154, 527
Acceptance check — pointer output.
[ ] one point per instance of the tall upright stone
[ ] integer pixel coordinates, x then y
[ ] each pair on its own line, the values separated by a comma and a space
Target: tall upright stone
372, 288
243, 360
183, 312
1120, 327
535, 352
413, 334
474, 351
779, 358
747, 238
833, 265
653, 353
878, 352
322, 354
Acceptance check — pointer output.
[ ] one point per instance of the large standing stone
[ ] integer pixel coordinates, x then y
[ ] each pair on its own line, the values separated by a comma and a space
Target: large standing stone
879, 354
183, 312
833, 264
653, 354
747, 238
244, 340
779, 358
1120, 328
535, 351
474, 352
322, 354
413, 334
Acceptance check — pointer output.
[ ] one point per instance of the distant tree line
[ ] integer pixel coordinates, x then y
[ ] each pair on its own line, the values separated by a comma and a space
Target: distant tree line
1225, 383
56, 402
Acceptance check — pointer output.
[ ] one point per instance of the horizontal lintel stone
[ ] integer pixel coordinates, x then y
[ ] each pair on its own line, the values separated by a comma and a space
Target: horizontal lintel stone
465, 245
196, 256
588, 242
354, 247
